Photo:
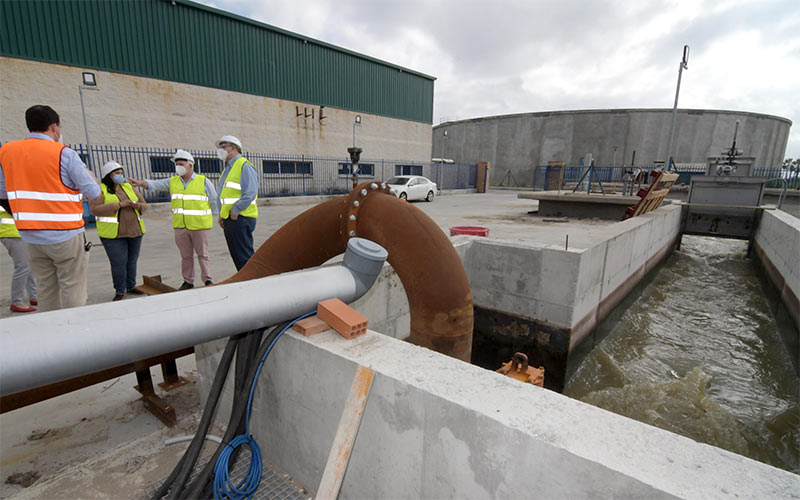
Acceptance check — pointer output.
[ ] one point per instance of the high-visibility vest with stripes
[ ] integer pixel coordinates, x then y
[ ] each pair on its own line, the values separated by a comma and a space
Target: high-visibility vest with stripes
232, 191
7, 227
39, 199
108, 227
190, 206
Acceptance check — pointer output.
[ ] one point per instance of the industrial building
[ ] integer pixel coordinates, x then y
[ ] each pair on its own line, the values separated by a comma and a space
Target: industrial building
518, 143
137, 80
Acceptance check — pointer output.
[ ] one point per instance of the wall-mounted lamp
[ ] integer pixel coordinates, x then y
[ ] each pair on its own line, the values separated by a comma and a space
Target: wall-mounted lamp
88, 79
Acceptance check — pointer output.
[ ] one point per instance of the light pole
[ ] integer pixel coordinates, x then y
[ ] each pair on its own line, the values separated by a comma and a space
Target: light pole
682, 66
441, 161
89, 83
357, 121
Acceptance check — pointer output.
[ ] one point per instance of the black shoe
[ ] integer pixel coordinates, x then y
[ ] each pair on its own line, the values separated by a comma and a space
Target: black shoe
117, 297
209, 282
134, 291
186, 286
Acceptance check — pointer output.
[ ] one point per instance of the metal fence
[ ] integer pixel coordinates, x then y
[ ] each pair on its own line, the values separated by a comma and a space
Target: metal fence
279, 175
546, 176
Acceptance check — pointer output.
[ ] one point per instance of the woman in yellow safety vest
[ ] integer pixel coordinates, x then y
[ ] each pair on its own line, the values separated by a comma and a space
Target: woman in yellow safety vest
120, 227
22, 280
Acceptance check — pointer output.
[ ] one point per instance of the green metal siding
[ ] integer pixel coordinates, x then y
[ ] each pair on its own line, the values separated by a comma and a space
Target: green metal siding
190, 43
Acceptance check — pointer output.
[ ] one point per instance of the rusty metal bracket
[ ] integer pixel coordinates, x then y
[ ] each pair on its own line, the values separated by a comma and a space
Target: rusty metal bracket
518, 369
169, 370
154, 404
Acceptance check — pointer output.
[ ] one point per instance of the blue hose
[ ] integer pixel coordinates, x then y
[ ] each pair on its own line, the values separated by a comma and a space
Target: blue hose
247, 487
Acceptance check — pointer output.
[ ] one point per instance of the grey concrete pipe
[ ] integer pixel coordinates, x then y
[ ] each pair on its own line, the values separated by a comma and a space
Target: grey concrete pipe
431, 271
49, 347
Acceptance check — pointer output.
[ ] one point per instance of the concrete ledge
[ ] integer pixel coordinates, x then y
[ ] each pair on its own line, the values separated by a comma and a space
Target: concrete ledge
581, 205
435, 427
570, 197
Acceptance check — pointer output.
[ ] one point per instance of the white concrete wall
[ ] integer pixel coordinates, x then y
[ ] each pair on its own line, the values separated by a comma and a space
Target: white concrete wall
560, 286
778, 235
435, 427
135, 111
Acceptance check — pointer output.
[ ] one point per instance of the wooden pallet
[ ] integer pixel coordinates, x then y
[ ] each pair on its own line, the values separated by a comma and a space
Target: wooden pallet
653, 195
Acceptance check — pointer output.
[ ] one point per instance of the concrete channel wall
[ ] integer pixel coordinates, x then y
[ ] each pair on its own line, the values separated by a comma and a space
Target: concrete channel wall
435, 427
553, 296
777, 253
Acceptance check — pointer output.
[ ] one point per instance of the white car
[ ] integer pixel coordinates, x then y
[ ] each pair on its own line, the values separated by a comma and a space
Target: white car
412, 187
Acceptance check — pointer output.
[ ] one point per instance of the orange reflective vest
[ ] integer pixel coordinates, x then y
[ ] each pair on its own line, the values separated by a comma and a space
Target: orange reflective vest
38, 198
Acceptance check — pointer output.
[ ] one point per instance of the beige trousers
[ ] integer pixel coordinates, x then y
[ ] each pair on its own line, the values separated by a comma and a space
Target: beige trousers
61, 272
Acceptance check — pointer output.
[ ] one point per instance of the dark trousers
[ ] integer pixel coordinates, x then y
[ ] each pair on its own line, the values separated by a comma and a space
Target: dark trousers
239, 236
123, 254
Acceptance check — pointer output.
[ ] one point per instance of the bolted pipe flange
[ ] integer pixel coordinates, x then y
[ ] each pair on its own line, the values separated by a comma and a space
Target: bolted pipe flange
354, 201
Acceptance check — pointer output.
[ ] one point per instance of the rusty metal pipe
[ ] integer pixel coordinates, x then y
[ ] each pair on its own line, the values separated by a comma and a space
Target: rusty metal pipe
431, 271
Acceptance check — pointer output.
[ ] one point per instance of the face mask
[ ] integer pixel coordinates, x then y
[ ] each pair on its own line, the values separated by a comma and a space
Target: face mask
180, 170
222, 154
118, 178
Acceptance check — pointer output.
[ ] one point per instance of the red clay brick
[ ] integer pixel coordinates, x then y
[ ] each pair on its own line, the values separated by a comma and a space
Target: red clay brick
311, 325
342, 318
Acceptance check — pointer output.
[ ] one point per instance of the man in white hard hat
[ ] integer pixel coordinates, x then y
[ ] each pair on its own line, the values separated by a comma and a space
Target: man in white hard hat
41, 183
194, 207
238, 186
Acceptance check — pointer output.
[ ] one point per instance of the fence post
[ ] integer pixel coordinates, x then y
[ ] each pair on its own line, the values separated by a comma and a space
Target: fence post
303, 166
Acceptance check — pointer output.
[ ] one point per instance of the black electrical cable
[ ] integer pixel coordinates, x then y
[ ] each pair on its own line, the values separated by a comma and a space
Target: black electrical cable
190, 456
201, 487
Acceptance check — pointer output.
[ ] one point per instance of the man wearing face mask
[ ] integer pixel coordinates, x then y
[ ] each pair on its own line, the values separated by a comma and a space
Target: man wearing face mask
41, 183
194, 207
238, 193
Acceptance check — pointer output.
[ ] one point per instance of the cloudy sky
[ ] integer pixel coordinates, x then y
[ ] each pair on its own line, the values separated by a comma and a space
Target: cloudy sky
495, 57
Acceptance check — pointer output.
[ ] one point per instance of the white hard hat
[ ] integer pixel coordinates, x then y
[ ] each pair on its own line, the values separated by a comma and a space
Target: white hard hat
229, 138
109, 167
182, 155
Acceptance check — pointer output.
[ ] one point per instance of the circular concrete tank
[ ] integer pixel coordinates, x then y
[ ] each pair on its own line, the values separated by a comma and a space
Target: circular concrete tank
520, 142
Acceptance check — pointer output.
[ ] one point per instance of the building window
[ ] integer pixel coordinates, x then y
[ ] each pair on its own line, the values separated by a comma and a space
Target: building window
364, 169
288, 167
408, 170
208, 166
161, 165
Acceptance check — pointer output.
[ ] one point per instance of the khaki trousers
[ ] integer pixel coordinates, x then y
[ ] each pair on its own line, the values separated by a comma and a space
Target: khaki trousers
61, 272
189, 243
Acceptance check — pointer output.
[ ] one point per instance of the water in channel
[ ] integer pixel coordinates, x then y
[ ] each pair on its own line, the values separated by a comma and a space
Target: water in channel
698, 352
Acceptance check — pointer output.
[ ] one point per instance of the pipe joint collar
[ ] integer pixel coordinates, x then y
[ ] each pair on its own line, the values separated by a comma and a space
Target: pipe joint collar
364, 259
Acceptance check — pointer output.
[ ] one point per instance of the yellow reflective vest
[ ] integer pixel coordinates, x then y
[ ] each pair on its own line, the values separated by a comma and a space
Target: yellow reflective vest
190, 206
108, 227
232, 191
7, 227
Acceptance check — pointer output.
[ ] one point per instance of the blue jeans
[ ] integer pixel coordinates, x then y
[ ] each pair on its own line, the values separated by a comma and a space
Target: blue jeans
123, 254
239, 236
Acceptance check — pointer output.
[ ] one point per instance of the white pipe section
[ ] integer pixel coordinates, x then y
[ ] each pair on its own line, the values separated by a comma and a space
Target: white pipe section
181, 439
48, 347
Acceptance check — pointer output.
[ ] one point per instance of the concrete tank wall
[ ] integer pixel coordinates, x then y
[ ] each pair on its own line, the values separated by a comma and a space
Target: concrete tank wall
128, 110
520, 142
435, 427
777, 251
